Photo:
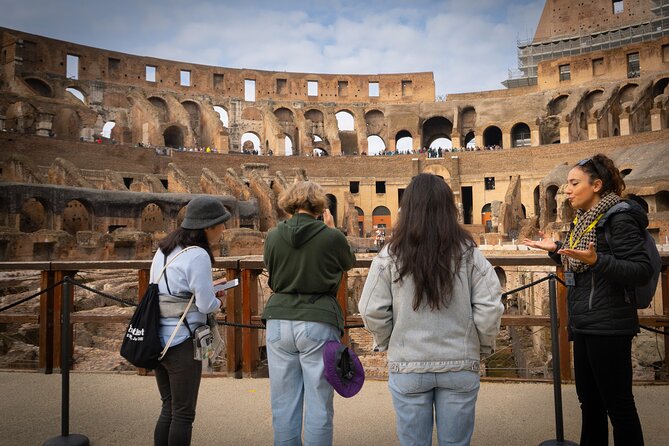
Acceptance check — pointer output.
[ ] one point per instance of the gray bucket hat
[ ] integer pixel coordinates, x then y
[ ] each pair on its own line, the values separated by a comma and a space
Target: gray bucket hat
204, 212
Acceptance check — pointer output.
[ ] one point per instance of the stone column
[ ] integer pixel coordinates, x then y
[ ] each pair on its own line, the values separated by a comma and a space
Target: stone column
479, 139
624, 124
655, 120
564, 135
44, 123
535, 139
592, 129
506, 140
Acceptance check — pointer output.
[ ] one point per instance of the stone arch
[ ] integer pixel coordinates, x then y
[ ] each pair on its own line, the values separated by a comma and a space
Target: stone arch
284, 115
486, 217
361, 221
436, 127
492, 136
332, 206
77, 216
589, 101
314, 115
470, 140
375, 122
77, 94
381, 218
66, 124
222, 115
537, 202
626, 93
288, 145
403, 141
161, 107
345, 121
662, 201
174, 136
21, 117
252, 114
107, 129
551, 202
39, 86
249, 142
520, 135
346, 132
152, 218
33, 215
375, 145
557, 105
660, 86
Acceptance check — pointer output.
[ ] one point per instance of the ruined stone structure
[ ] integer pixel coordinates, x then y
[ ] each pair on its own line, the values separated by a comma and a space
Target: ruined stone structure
57, 97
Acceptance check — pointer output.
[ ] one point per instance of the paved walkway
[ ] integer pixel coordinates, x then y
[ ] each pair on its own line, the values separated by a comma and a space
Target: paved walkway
116, 409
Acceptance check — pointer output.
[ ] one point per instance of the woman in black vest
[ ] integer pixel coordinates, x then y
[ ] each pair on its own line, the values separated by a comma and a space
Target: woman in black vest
602, 319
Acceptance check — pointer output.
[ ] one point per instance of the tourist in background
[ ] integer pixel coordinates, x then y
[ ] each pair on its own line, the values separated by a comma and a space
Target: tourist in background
434, 303
178, 374
305, 259
602, 321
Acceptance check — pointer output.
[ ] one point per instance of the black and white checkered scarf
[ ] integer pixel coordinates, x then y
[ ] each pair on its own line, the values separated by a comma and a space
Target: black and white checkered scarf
583, 220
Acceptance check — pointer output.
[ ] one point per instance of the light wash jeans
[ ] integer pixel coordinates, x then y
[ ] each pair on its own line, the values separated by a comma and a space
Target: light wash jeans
419, 397
295, 357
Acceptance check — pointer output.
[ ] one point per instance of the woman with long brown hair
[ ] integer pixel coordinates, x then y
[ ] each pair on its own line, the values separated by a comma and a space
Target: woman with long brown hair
602, 317
434, 303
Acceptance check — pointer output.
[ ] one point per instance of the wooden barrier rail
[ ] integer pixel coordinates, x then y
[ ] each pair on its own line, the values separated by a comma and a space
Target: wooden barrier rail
243, 305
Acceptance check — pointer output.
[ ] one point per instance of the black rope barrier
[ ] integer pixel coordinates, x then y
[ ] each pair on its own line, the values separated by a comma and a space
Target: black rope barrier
654, 330
32, 296
101, 293
530, 285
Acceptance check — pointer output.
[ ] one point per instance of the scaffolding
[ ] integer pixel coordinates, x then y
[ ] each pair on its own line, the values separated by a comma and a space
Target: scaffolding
531, 53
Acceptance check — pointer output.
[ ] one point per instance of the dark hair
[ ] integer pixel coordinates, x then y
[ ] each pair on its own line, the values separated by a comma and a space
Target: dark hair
185, 238
428, 241
601, 167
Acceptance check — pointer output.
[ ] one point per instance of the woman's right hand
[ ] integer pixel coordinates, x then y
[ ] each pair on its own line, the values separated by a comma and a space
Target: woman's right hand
545, 243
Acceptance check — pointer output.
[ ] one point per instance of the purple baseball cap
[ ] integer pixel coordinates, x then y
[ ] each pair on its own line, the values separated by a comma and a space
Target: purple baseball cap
343, 369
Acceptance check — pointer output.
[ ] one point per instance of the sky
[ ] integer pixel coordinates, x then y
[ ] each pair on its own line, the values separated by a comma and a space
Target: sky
469, 45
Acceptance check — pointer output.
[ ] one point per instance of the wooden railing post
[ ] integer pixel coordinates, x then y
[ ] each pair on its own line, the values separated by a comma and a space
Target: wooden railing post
343, 303
563, 319
46, 323
250, 353
143, 280
57, 316
233, 335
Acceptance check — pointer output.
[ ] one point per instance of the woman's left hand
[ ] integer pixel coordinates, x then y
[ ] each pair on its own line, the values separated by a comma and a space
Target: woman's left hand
587, 256
220, 281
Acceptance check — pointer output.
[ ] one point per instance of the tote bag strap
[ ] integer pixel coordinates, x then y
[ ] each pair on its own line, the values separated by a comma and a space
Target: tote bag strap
171, 260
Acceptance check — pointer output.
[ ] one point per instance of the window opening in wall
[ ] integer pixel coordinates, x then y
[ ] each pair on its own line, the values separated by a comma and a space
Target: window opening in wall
107, 129
407, 88
342, 88
618, 6
665, 53
312, 88
281, 86
633, 67
489, 183
72, 68
185, 78
400, 194
113, 65
150, 73
597, 67
380, 187
354, 187
565, 72
164, 182
77, 94
128, 181
373, 89
625, 172
249, 90
218, 81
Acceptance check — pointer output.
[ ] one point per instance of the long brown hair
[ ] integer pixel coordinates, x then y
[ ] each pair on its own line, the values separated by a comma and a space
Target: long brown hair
428, 242
602, 167
185, 238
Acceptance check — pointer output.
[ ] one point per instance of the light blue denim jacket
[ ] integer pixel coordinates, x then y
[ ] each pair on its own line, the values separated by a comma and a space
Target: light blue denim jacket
422, 341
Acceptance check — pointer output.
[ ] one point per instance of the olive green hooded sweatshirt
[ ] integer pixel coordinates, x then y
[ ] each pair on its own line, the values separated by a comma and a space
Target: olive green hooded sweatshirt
305, 260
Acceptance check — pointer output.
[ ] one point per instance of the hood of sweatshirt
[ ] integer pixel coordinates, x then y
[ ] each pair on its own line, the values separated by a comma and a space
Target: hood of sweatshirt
635, 210
300, 229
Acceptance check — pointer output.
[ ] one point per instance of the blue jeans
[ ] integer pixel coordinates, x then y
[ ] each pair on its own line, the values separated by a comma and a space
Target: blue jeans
419, 397
295, 357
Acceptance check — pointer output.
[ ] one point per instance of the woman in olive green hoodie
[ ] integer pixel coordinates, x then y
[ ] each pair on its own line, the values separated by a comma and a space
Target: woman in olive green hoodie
305, 259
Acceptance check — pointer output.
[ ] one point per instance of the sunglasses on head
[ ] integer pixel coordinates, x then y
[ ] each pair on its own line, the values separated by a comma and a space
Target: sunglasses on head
585, 161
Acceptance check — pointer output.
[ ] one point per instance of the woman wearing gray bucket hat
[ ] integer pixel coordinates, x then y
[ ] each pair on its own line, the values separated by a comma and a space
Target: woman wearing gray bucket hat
187, 258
